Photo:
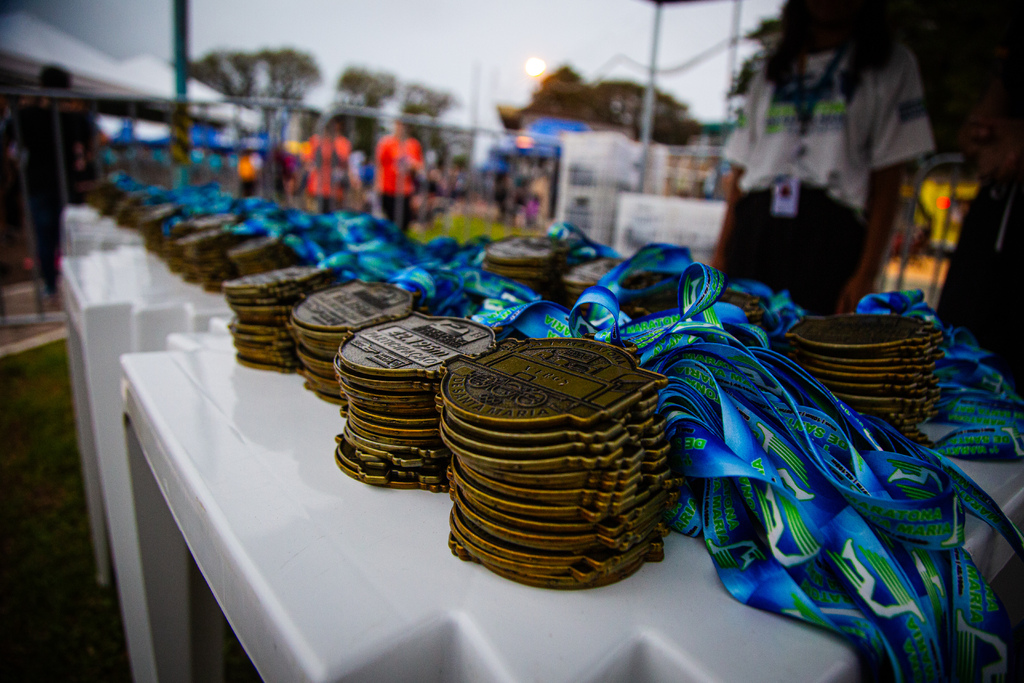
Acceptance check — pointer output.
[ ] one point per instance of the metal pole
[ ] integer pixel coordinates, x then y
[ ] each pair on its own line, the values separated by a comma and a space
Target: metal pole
133, 146
173, 178
734, 42
181, 70
400, 181
470, 158
940, 255
62, 169
908, 229
26, 213
648, 113
97, 158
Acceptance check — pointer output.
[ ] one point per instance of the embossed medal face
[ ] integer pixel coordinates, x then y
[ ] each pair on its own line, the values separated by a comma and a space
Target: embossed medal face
414, 346
520, 250
863, 336
282, 278
352, 305
589, 273
157, 213
252, 247
541, 383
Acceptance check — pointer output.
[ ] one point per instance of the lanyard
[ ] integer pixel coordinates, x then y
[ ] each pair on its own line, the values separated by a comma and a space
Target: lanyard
806, 100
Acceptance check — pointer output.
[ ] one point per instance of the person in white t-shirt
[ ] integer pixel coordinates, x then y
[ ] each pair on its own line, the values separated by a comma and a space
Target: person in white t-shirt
818, 155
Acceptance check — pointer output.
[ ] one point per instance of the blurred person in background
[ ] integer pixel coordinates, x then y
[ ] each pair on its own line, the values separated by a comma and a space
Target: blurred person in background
817, 158
288, 166
42, 173
327, 175
398, 155
249, 165
986, 268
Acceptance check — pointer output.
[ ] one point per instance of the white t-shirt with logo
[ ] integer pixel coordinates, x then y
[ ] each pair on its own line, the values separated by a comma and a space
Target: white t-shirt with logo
884, 123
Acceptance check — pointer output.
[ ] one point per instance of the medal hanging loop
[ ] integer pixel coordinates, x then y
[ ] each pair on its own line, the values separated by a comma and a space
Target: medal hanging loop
805, 100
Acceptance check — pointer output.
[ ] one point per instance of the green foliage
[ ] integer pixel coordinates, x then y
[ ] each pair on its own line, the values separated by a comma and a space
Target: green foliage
285, 73
422, 100
56, 623
766, 35
231, 73
360, 86
290, 74
954, 42
614, 103
955, 46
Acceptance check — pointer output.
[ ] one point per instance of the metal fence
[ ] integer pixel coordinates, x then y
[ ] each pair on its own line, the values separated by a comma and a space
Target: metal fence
452, 193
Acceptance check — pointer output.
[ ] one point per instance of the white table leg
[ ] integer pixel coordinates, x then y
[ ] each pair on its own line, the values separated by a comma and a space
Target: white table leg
186, 621
88, 457
106, 334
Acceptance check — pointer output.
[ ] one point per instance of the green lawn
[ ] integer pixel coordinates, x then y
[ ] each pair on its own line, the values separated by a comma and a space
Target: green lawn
56, 624
462, 228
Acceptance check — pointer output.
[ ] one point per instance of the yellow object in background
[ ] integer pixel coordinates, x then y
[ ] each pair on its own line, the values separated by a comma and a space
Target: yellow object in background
937, 202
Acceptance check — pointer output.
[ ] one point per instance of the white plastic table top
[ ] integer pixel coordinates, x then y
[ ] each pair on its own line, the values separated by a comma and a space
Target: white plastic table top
117, 301
85, 231
324, 578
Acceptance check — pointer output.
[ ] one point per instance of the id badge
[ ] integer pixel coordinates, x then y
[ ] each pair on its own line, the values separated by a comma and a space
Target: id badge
785, 197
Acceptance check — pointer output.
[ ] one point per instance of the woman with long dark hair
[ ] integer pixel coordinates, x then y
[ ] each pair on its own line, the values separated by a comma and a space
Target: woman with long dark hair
818, 155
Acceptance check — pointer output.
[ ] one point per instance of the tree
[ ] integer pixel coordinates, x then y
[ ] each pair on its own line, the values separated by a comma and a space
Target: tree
613, 103
290, 74
955, 46
422, 100
231, 73
954, 43
766, 35
365, 88
285, 74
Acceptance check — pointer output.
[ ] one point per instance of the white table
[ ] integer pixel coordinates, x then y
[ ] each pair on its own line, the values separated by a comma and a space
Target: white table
324, 578
85, 231
117, 301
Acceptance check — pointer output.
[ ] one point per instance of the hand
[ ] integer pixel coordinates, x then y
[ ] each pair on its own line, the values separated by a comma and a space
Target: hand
1000, 156
855, 289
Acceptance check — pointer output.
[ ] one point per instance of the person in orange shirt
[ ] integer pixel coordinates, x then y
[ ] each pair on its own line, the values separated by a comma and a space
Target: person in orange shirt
397, 155
326, 163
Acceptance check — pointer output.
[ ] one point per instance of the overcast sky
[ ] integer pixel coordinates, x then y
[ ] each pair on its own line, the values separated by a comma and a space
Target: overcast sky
436, 42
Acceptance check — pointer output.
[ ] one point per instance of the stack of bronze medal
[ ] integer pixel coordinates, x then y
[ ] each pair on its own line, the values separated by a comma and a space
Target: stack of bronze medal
321, 322
748, 303
173, 248
261, 255
389, 374
206, 257
262, 304
559, 472
586, 275
150, 222
536, 262
104, 197
881, 365
127, 208
661, 295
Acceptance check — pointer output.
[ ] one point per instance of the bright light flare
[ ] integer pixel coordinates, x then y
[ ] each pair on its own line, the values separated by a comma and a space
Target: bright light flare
535, 66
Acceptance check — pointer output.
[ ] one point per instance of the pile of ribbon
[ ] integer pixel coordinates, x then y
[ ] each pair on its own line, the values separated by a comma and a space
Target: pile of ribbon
807, 508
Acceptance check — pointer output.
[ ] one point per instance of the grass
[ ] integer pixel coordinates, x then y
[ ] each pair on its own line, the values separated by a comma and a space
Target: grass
464, 228
56, 623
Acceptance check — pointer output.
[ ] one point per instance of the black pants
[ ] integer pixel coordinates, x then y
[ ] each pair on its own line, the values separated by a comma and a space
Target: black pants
983, 283
46, 209
389, 203
812, 255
